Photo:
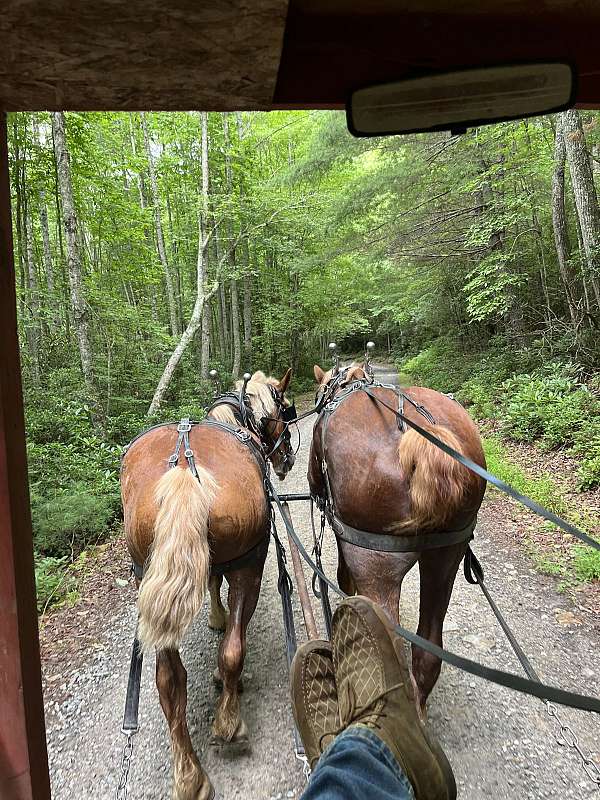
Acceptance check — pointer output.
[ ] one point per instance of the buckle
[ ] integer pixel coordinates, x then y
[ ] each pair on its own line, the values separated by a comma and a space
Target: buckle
184, 427
173, 459
188, 453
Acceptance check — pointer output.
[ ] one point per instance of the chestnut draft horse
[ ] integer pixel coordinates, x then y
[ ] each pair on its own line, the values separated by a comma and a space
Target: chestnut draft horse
388, 481
189, 531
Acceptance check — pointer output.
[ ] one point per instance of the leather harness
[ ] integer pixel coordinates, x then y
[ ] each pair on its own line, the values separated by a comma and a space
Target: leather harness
372, 540
259, 550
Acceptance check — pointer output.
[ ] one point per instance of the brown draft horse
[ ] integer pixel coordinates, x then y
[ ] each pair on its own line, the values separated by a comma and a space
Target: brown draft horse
384, 480
178, 526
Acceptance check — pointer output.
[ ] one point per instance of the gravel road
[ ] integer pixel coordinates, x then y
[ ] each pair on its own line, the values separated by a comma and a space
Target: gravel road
501, 744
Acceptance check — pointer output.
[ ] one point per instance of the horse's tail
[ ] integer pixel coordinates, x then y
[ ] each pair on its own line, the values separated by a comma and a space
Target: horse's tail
176, 579
437, 483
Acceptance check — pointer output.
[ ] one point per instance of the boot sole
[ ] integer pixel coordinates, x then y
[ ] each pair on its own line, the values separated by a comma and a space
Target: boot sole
300, 716
432, 743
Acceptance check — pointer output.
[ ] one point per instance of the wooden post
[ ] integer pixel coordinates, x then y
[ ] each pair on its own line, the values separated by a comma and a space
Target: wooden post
305, 604
23, 756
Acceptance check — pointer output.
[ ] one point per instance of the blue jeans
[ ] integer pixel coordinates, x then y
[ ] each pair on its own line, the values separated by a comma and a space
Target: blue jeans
358, 765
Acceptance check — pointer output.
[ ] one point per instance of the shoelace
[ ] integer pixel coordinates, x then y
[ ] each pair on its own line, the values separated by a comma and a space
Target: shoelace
357, 714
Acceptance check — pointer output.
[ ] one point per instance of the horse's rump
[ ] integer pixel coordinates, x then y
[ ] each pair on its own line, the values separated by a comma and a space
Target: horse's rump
176, 524
383, 479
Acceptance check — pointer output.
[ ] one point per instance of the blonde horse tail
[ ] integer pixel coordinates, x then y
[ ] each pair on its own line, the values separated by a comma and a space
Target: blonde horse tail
176, 579
437, 483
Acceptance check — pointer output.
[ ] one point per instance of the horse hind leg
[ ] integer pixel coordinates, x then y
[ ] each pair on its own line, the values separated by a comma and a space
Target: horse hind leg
244, 588
437, 569
217, 616
190, 782
377, 575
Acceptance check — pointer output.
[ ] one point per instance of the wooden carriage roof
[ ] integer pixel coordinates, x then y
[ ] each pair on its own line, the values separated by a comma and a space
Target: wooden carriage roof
262, 54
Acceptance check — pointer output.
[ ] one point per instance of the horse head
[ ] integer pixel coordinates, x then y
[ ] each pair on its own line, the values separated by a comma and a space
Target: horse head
273, 413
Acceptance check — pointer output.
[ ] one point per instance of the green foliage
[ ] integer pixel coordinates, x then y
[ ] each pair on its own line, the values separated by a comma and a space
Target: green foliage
53, 580
587, 563
542, 489
444, 366
74, 518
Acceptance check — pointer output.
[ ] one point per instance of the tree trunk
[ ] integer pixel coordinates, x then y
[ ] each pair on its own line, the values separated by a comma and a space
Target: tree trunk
202, 265
248, 316
586, 200
235, 323
246, 271
33, 300
561, 238
201, 310
160, 240
235, 306
78, 305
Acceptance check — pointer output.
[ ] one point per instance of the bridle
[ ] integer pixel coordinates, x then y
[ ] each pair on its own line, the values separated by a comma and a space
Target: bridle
288, 416
240, 404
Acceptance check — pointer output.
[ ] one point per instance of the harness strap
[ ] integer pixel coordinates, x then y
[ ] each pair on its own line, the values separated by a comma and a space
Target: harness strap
392, 543
257, 552
507, 679
242, 435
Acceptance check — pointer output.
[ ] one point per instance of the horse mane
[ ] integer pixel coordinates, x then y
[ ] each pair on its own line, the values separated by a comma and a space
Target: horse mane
356, 371
259, 395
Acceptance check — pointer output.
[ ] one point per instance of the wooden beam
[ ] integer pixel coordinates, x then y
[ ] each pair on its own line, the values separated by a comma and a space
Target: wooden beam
140, 55
23, 756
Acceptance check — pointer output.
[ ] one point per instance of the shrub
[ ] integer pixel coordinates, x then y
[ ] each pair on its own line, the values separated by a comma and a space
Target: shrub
587, 563
442, 366
71, 520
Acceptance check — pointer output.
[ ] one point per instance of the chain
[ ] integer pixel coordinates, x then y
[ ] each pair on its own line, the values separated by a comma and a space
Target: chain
305, 765
125, 765
566, 737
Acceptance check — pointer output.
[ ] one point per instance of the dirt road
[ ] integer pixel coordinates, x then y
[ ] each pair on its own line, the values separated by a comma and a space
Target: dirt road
501, 744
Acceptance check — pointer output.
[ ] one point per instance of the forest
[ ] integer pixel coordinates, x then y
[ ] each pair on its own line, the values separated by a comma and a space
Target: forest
151, 248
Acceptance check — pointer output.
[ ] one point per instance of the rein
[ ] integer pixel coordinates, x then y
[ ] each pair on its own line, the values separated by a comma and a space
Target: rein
508, 679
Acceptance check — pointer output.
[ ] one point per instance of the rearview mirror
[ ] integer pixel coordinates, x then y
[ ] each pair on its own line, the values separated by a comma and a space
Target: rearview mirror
456, 101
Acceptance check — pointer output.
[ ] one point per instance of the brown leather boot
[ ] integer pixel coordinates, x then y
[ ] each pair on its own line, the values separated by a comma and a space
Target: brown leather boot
375, 691
314, 697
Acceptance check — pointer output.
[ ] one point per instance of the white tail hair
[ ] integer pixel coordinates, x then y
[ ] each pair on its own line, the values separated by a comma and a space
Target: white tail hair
173, 588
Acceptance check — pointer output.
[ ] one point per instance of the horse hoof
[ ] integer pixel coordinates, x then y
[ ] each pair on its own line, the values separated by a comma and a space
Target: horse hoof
240, 740
218, 681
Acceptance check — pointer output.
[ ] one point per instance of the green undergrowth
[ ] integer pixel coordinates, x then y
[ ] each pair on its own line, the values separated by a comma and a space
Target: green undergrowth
551, 403
574, 564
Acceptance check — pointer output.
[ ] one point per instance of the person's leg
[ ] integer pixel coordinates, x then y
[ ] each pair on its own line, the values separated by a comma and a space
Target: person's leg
358, 765
354, 706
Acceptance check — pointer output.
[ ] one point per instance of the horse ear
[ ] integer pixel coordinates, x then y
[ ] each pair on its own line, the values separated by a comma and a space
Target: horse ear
319, 374
285, 381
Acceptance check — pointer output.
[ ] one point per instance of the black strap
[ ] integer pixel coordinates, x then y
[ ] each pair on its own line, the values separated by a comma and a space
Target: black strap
507, 679
256, 553
474, 575
132, 699
392, 543
483, 473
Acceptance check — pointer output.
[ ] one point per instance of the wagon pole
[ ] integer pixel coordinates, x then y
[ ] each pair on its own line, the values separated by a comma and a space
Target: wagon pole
307, 612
